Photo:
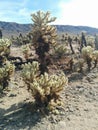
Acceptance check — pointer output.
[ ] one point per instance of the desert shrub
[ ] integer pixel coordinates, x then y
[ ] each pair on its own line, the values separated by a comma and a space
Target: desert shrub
45, 88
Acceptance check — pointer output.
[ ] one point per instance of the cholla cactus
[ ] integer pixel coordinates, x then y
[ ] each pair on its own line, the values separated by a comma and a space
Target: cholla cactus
42, 32
87, 55
90, 41
30, 71
87, 51
26, 51
6, 69
60, 50
44, 35
5, 74
95, 57
78, 66
45, 88
5, 47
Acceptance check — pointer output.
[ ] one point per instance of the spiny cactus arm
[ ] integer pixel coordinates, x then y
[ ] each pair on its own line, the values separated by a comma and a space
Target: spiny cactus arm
36, 88
95, 54
2, 73
30, 71
10, 68
41, 18
5, 46
58, 82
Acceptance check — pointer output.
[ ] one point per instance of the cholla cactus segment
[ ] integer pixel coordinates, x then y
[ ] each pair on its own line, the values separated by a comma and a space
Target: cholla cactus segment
4, 46
6, 72
25, 49
48, 85
30, 71
10, 68
95, 54
58, 82
41, 18
5, 42
42, 32
60, 50
87, 52
2, 73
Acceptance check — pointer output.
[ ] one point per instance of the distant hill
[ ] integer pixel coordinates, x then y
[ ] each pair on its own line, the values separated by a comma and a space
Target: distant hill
11, 28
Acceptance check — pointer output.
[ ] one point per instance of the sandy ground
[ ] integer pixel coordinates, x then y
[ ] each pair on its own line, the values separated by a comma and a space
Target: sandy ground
79, 112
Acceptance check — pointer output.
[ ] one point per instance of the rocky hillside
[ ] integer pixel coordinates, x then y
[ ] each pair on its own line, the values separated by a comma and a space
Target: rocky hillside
11, 28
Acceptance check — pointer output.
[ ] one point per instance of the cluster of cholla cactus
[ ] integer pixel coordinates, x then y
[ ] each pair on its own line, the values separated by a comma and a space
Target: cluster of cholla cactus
90, 55
45, 88
6, 68
21, 40
44, 35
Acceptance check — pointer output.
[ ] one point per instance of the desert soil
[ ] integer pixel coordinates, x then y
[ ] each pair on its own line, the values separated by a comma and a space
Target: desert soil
79, 112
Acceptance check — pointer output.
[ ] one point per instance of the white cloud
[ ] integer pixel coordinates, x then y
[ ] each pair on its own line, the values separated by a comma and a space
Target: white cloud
78, 12
24, 12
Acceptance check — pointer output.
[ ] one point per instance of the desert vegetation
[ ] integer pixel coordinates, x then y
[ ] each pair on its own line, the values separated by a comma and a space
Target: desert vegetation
45, 61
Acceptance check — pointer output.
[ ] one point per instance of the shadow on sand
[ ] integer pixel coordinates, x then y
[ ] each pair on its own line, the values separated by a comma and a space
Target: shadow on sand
21, 116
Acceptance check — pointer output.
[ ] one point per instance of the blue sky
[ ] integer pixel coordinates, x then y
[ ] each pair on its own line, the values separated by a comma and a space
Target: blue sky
68, 12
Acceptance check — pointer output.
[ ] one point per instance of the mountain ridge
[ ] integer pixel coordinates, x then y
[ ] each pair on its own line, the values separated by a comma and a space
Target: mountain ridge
13, 28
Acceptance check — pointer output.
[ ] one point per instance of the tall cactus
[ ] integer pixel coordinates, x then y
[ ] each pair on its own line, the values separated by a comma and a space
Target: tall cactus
44, 87
43, 36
